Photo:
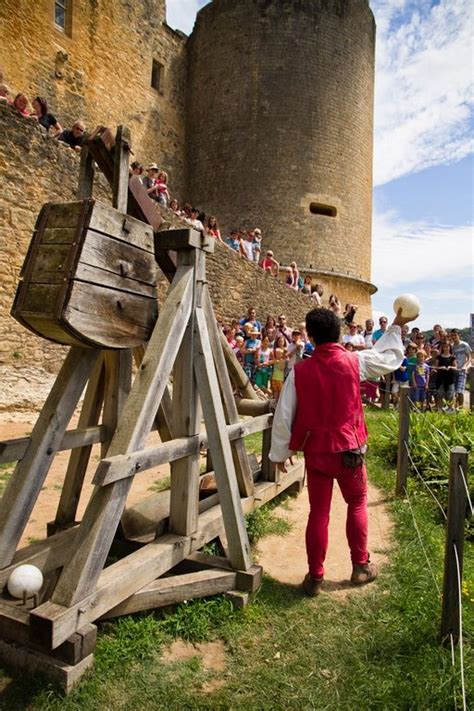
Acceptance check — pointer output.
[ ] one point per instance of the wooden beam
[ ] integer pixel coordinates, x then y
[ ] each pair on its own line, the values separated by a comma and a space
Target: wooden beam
28, 478
79, 458
86, 175
46, 555
122, 466
239, 453
183, 238
184, 498
102, 516
239, 546
118, 380
175, 589
12, 450
121, 161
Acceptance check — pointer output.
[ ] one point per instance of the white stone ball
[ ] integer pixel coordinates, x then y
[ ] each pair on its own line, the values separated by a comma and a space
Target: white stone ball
409, 304
25, 577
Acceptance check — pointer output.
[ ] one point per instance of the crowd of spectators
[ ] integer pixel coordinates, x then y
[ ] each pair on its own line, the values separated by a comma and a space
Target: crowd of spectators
39, 111
434, 368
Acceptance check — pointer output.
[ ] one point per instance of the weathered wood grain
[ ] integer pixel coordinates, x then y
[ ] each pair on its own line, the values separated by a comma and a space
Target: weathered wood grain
106, 505
27, 480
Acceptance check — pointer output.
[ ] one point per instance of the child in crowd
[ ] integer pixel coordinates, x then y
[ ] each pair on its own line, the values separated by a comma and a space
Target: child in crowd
400, 377
174, 207
238, 349
250, 350
149, 181
420, 379
257, 244
445, 375
296, 355
162, 188
264, 369
411, 360
136, 168
278, 372
212, 228
4, 93
20, 102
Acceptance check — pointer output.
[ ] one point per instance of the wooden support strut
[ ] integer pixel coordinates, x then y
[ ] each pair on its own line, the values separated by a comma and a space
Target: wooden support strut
105, 508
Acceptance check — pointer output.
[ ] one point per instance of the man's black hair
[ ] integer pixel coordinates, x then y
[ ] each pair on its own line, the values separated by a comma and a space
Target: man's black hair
323, 326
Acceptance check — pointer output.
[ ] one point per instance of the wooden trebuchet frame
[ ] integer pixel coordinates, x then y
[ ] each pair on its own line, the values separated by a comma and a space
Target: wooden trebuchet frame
163, 534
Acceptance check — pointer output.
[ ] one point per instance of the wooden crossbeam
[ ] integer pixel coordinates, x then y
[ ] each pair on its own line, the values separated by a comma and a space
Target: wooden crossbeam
102, 516
122, 466
28, 478
12, 450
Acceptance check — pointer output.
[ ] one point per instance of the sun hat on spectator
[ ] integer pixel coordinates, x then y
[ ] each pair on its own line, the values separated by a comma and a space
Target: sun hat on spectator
152, 166
257, 231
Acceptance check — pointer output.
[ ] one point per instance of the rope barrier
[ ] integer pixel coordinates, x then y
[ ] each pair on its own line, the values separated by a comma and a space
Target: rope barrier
422, 545
461, 649
424, 482
463, 476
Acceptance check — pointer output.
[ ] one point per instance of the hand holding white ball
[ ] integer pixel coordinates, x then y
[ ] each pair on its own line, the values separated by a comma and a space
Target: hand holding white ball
25, 578
409, 304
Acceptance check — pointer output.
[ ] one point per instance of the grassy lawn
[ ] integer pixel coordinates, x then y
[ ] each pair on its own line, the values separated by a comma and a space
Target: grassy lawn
377, 649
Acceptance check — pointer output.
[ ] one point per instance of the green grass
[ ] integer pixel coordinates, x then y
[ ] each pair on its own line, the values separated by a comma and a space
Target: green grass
161, 484
377, 649
6, 471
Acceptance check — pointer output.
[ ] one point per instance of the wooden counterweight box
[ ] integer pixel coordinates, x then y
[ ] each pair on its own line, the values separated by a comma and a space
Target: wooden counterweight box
89, 277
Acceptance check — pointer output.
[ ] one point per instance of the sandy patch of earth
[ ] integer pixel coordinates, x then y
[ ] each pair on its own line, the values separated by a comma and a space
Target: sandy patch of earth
284, 558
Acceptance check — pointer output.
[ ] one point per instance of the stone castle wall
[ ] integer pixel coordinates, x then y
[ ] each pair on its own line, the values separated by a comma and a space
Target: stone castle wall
35, 169
100, 70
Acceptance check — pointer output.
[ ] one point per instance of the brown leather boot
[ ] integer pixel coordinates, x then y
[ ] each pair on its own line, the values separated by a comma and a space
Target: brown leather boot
363, 573
312, 586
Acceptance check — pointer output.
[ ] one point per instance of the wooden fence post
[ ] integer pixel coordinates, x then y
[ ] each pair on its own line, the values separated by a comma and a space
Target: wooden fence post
470, 375
457, 500
403, 436
387, 385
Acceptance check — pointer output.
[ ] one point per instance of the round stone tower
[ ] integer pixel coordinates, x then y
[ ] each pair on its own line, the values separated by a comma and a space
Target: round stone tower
280, 129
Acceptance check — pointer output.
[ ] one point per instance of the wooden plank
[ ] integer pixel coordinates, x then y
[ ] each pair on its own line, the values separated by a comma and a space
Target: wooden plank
239, 546
106, 505
79, 459
14, 626
28, 478
164, 416
122, 466
147, 209
86, 175
269, 469
64, 214
53, 623
121, 161
118, 381
236, 372
118, 257
110, 318
49, 264
175, 589
186, 422
67, 676
124, 228
58, 236
178, 239
239, 453
14, 449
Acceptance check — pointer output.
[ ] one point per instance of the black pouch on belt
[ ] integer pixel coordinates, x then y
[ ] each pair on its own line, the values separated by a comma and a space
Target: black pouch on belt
354, 458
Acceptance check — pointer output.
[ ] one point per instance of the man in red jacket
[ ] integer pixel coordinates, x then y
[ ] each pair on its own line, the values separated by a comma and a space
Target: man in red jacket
320, 413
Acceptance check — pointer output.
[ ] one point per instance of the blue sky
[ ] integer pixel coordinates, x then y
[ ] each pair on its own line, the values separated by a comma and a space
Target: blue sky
423, 154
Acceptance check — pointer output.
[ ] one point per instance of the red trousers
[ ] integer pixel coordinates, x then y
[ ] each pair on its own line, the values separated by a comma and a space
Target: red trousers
322, 471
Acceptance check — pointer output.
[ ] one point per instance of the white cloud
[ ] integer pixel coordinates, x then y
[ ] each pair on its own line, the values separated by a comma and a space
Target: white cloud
408, 251
424, 85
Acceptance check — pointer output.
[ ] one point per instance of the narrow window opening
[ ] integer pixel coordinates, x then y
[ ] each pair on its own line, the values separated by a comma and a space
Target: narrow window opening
63, 15
157, 70
319, 208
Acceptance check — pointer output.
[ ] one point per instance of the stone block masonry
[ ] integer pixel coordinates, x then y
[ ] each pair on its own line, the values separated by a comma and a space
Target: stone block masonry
99, 69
